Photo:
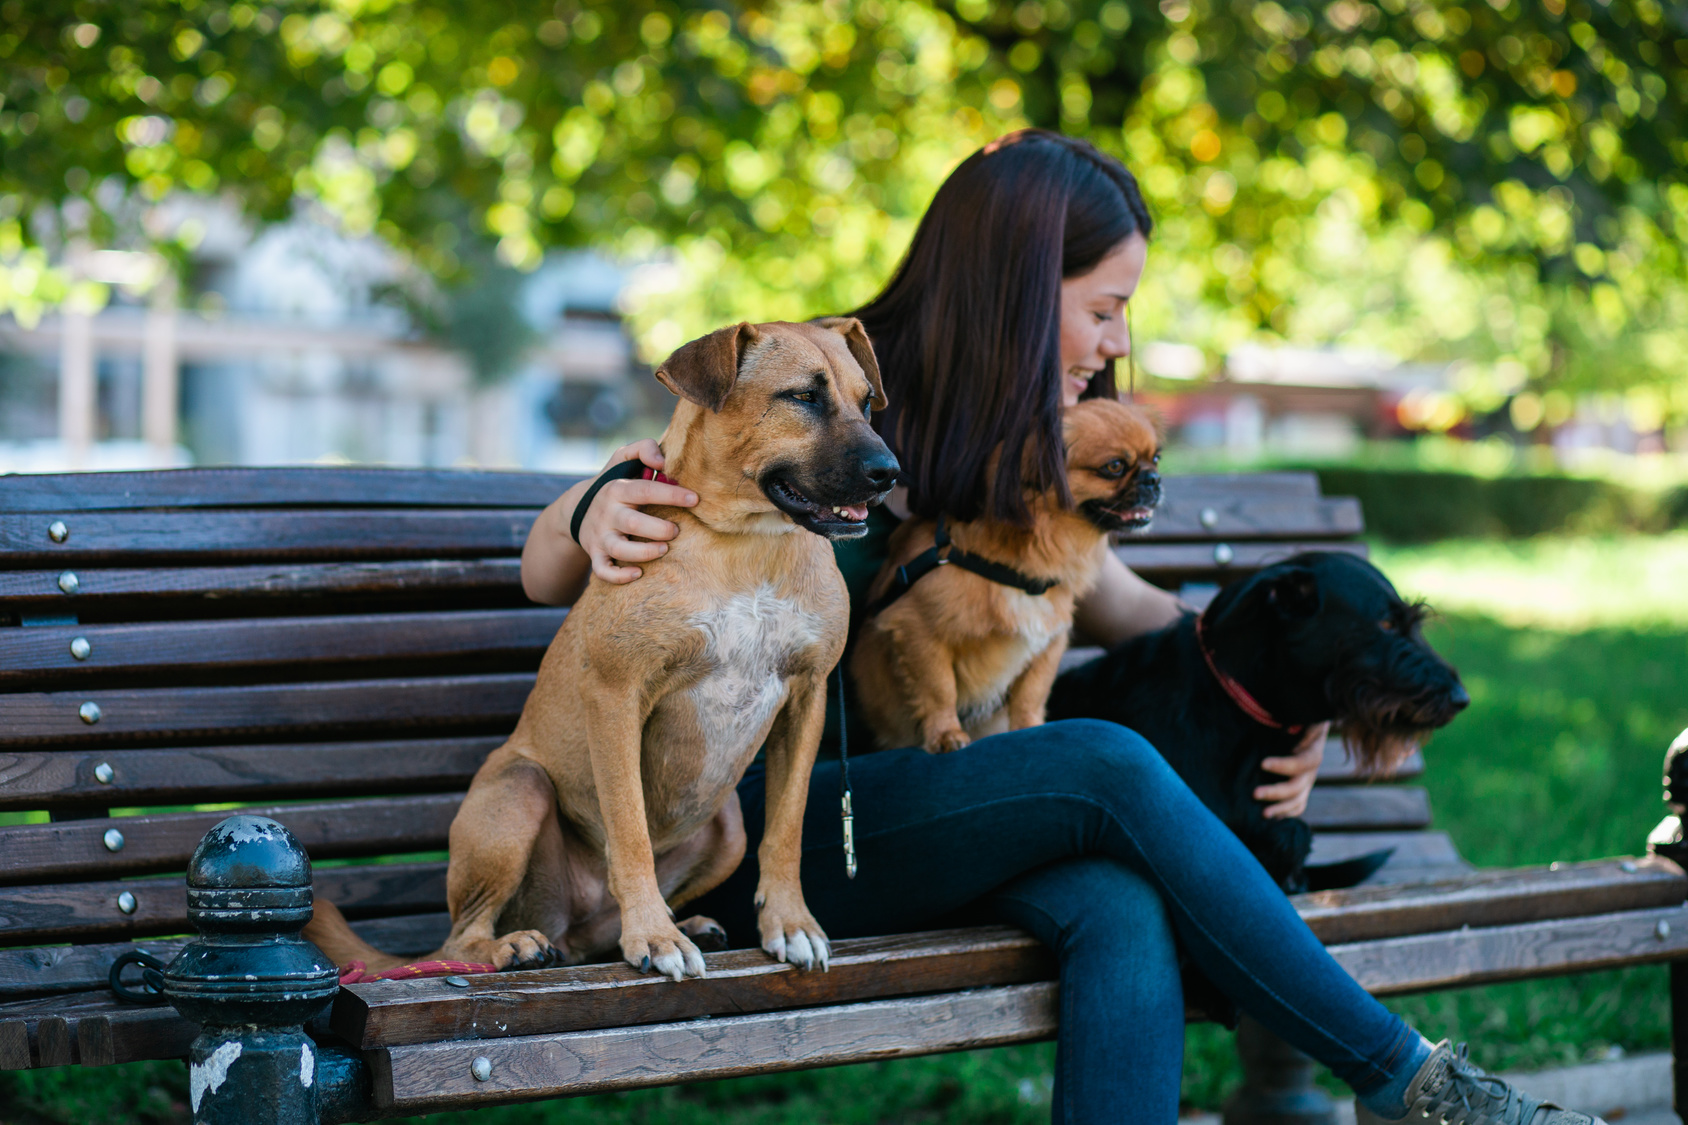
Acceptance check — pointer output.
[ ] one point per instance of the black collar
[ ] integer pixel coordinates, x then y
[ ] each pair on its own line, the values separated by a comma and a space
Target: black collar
941, 553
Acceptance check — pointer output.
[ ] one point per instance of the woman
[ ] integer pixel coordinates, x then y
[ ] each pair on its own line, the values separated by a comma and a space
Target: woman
1010, 306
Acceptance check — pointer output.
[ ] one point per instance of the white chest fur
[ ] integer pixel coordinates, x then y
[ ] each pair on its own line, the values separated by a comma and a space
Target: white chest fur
750, 641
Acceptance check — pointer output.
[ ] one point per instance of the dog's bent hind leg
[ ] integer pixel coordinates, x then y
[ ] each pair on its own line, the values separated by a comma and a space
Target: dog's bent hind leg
492, 840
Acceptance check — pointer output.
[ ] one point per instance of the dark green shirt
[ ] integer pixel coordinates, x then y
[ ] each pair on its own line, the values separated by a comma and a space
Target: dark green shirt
859, 561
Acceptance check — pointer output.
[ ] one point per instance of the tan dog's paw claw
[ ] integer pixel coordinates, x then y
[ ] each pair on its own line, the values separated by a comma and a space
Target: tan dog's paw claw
524, 949
706, 933
671, 955
948, 742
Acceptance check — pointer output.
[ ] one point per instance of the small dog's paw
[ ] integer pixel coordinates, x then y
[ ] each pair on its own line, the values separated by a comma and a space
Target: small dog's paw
663, 950
524, 949
706, 933
948, 742
793, 936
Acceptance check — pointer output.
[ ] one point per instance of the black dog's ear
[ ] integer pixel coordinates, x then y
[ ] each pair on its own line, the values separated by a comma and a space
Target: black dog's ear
1294, 592
705, 370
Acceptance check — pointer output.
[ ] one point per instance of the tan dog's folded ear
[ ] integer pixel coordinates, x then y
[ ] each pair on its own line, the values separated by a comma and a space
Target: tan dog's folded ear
705, 370
861, 350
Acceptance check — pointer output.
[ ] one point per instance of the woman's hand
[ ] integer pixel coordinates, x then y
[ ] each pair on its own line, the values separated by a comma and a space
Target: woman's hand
1301, 769
615, 515
555, 568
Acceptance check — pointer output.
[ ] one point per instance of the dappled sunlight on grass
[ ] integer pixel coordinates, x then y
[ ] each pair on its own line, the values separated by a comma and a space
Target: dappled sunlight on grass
1561, 583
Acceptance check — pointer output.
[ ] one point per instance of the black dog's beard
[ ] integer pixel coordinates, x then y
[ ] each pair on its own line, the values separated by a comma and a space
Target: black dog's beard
1382, 722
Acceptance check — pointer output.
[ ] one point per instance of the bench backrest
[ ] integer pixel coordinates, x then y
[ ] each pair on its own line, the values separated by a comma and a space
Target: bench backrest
339, 648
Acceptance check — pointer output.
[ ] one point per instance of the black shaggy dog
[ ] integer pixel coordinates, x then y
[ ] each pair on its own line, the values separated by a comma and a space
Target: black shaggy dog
1321, 636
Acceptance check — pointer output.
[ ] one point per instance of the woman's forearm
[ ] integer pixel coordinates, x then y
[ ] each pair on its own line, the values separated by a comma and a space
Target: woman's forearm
1123, 606
554, 566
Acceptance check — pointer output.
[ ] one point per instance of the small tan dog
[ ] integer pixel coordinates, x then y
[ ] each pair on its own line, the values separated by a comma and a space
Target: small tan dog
960, 655
614, 799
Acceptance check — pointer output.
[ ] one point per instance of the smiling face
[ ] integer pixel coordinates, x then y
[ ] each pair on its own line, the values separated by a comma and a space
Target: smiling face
1093, 315
775, 426
1113, 458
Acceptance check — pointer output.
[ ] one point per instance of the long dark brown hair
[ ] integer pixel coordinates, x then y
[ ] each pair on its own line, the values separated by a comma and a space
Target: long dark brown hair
967, 331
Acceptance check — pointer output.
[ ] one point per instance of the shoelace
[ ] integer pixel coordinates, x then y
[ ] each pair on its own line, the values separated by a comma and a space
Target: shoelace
1462, 1082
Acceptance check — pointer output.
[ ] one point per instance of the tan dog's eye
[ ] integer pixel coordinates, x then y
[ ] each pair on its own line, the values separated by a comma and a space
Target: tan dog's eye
1113, 470
804, 396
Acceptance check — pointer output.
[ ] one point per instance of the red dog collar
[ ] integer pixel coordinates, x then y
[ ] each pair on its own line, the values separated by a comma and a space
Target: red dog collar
1239, 694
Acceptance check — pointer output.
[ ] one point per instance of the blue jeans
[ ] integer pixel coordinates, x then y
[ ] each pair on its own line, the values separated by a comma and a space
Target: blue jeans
1080, 832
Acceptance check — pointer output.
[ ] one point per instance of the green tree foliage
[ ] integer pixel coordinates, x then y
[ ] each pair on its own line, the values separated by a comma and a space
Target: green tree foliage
1337, 171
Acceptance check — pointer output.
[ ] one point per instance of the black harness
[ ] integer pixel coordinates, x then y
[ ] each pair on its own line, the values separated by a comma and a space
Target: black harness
941, 553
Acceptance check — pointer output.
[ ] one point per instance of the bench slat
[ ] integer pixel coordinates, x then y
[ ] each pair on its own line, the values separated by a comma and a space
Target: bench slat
428, 1077
1466, 958
1170, 563
1341, 768
165, 841
426, 488
39, 589
742, 980
89, 911
1239, 516
26, 654
1368, 808
34, 779
369, 707
1492, 898
279, 487
218, 534
1418, 855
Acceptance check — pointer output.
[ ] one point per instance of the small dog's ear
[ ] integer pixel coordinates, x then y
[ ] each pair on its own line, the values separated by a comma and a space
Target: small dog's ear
861, 350
1295, 592
705, 370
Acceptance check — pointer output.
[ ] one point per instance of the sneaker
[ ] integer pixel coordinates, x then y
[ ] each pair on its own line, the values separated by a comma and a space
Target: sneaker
1449, 1090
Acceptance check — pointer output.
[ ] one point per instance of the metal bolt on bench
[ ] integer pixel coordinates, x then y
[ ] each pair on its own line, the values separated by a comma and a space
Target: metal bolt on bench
250, 981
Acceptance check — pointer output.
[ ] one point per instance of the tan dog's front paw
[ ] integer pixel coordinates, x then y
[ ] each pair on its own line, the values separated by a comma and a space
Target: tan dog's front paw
662, 949
793, 936
947, 742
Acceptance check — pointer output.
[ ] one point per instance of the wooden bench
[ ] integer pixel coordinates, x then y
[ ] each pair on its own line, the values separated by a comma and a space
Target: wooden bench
339, 648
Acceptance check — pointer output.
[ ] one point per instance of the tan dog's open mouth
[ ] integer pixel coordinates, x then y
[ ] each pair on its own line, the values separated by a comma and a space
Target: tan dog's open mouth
834, 521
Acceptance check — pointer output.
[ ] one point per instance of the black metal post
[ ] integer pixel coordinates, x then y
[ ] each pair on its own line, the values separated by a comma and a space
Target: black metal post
250, 981
1278, 1086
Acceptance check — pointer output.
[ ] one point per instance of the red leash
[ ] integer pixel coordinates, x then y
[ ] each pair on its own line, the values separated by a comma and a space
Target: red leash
1239, 694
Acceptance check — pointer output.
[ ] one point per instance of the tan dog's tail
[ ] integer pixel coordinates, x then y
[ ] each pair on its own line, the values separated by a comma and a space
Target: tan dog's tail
329, 932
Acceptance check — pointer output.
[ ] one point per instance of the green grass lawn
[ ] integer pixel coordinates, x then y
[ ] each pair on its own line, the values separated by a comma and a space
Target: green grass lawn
1576, 655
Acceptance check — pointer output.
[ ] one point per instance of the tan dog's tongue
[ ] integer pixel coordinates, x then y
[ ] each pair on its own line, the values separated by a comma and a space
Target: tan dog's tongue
857, 512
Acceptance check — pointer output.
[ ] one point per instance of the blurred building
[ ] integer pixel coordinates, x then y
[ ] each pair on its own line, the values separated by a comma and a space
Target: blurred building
288, 348
1285, 401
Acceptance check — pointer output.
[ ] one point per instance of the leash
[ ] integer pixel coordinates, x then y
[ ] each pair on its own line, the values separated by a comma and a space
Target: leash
627, 470
1239, 694
849, 817
941, 554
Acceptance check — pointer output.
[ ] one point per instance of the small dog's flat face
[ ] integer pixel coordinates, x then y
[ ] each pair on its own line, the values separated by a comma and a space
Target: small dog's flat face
1113, 458
1347, 646
786, 410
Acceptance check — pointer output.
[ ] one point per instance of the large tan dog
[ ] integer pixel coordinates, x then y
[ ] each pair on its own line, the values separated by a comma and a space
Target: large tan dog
959, 656
614, 799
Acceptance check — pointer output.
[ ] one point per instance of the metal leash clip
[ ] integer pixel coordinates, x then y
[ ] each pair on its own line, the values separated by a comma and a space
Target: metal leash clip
849, 838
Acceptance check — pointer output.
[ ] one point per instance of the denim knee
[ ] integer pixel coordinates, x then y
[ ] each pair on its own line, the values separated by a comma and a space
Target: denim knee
1100, 755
